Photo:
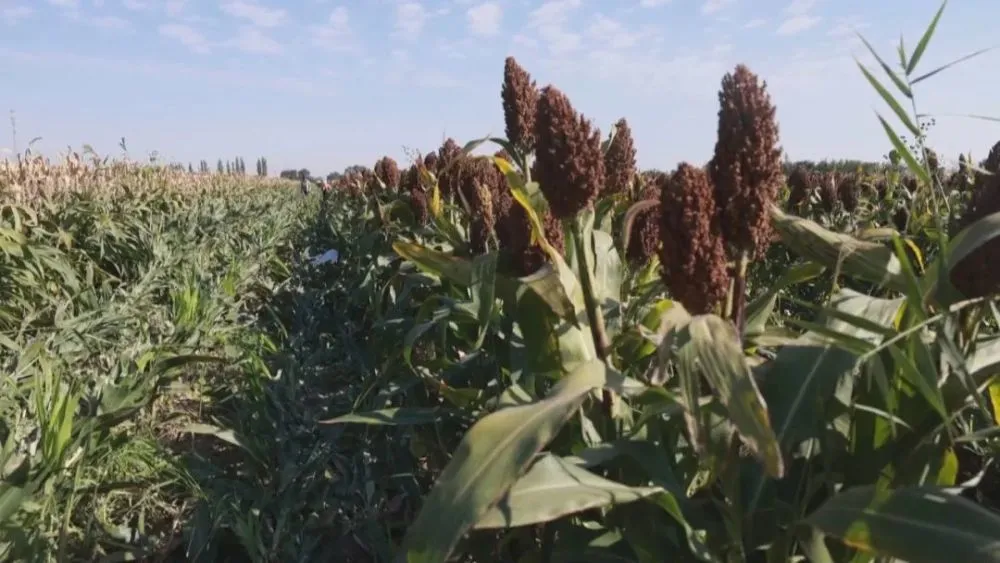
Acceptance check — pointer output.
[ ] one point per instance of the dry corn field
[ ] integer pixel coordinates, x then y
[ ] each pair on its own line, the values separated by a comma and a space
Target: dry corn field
526, 351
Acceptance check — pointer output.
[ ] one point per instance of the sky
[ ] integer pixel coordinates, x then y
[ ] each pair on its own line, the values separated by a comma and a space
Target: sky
324, 84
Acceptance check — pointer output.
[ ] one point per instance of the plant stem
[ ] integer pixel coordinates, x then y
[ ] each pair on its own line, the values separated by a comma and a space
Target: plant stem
739, 293
594, 315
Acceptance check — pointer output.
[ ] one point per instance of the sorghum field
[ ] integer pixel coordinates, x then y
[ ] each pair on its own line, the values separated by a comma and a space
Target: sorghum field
540, 355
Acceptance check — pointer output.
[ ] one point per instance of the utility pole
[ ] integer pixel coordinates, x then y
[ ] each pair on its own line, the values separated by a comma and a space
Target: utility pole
13, 131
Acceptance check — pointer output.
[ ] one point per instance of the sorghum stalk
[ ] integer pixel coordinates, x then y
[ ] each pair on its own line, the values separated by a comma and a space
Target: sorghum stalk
594, 314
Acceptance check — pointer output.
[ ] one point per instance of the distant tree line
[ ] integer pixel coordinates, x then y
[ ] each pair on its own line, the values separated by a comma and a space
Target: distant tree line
293, 174
235, 167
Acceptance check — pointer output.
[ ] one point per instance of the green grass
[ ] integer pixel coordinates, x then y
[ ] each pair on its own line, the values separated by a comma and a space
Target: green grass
149, 318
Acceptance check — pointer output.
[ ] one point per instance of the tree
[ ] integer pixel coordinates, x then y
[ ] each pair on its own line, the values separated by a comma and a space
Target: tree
263, 166
190, 169
229, 168
220, 168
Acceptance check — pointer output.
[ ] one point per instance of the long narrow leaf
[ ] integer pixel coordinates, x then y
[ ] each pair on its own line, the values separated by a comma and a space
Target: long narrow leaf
490, 458
925, 40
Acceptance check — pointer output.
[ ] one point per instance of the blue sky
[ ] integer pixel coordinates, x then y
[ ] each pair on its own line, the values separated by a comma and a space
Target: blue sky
325, 84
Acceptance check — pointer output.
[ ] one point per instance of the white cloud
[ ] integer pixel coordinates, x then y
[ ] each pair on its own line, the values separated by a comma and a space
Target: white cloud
335, 34
410, 19
175, 8
405, 72
800, 7
13, 14
611, 34
553, 12
69, 4
549, 23
687, 75
712, 6
653, 3
135, 5
227, 79
754, 23
252, 40
846, 27
525, 41
260, 16
484, 19
797, 24
186, 35
339, 17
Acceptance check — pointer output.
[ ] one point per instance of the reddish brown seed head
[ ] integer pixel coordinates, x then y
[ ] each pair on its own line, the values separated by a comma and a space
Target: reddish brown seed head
388, 171
520, 102
410, 179
569, 165
828, 192
977, 275
431, 161
800, 184
619, 161
421, 209
480, 181
746, 165
692, 256
448, 170
849, 191
992, 162
644, 240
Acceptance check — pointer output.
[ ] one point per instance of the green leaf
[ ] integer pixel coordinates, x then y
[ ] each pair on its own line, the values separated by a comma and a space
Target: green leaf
841, 253
403, 416
984, 361
896, 108
435, 262
484, 274
945, 67
490, 458
760, 309
720, 356
535, 344
805, 374
554, 488
900, 84
797, 383
608, 269
924, 382
547, 285
904, 151
11, 499
918, 525
224, 434
925, 40
862, 316
963, 245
